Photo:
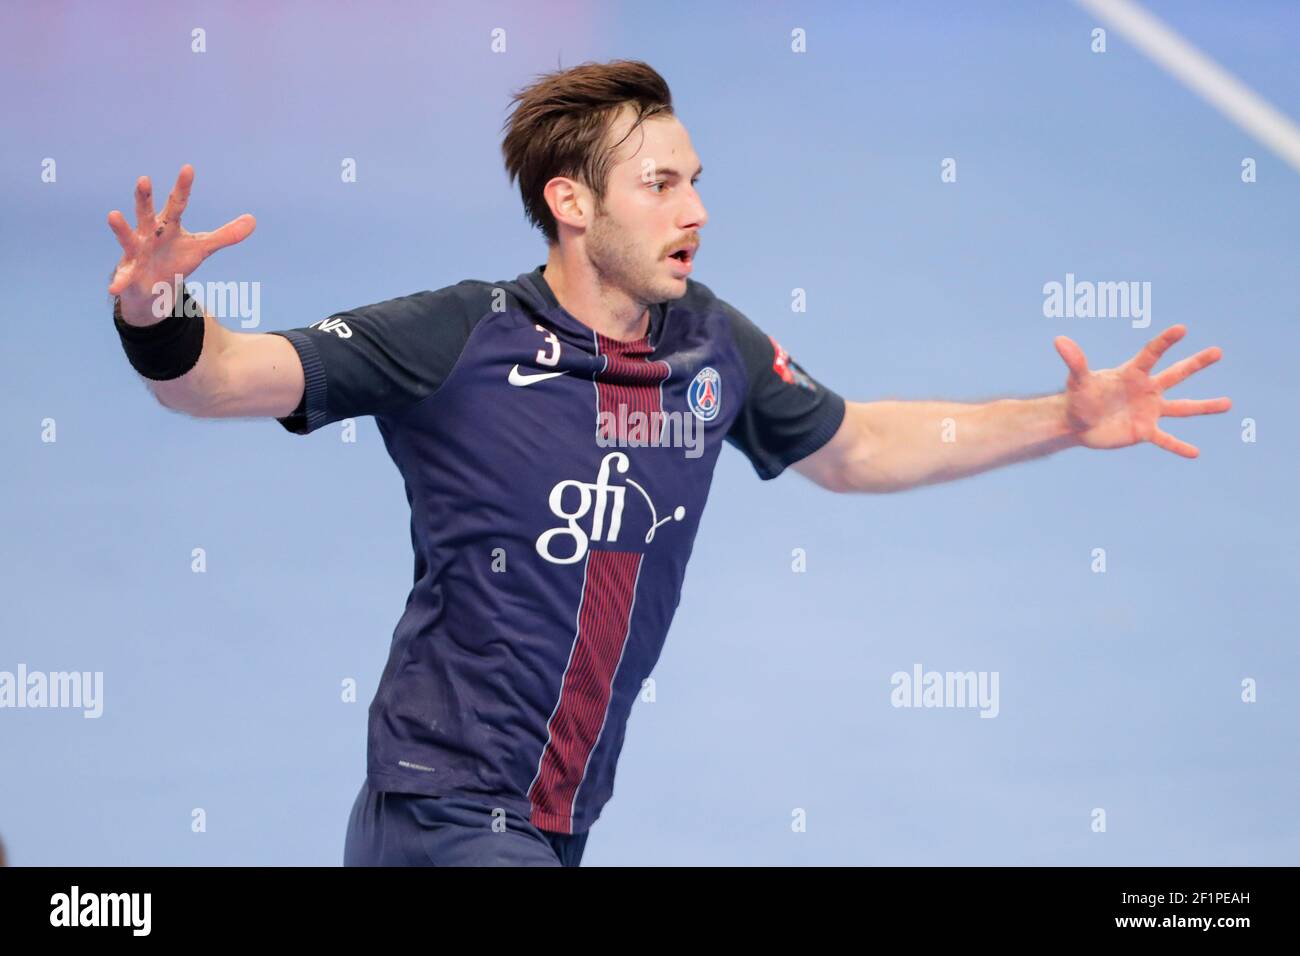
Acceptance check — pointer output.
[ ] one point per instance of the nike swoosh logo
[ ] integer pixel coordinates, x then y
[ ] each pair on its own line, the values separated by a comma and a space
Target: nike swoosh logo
524, 378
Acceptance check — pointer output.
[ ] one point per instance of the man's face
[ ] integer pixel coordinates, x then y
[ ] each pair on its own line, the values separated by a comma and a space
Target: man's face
650, 210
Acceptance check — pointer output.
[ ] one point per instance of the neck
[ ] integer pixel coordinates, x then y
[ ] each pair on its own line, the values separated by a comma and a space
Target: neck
608, 310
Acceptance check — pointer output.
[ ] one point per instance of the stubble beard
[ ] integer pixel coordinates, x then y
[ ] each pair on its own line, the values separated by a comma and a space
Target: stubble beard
620, 264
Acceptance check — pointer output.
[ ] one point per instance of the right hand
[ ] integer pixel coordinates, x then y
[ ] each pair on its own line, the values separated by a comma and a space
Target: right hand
158, 248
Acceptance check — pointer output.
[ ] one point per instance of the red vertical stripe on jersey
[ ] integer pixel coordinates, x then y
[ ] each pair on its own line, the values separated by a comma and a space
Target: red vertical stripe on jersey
575, 725
629, 379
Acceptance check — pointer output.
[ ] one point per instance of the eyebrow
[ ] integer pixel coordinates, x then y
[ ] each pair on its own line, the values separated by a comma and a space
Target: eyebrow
669, 171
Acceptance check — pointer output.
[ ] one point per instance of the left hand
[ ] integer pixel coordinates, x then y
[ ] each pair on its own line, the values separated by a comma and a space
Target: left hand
1117, 407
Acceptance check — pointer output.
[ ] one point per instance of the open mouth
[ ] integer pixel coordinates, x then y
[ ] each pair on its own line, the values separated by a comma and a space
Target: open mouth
683, 256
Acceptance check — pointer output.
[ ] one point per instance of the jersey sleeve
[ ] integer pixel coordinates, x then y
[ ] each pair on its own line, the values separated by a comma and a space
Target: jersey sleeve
787, 414
377, 359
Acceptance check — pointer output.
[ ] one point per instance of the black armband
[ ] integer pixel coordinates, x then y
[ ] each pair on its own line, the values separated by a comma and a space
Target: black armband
166, 349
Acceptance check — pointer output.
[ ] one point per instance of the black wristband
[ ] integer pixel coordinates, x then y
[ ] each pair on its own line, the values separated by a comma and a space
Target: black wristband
166, 349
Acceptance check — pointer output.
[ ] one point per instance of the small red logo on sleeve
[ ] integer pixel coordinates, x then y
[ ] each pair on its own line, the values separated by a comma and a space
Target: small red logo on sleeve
789, 369
781, 363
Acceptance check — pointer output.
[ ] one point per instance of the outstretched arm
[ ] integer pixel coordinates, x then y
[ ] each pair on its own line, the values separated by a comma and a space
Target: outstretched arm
237, 373
896, 445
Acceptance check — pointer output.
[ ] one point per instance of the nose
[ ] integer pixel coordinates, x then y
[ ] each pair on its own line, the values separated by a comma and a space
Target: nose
695, 214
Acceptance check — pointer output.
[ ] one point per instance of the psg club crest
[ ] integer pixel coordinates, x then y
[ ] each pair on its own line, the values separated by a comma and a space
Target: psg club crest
705, 394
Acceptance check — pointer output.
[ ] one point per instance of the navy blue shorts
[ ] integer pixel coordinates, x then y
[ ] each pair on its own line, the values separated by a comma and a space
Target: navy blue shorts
408, 829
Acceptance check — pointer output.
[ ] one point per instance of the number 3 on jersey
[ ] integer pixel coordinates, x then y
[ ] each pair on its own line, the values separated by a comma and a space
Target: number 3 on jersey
553, 357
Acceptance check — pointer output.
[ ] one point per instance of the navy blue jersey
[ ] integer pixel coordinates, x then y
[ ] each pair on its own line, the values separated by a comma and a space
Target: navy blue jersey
556, 479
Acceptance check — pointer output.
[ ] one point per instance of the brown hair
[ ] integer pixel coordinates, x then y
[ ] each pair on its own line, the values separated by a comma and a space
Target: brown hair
559, 125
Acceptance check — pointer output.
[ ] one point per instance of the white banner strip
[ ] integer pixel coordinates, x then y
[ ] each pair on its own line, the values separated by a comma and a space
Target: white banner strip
1224, 91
